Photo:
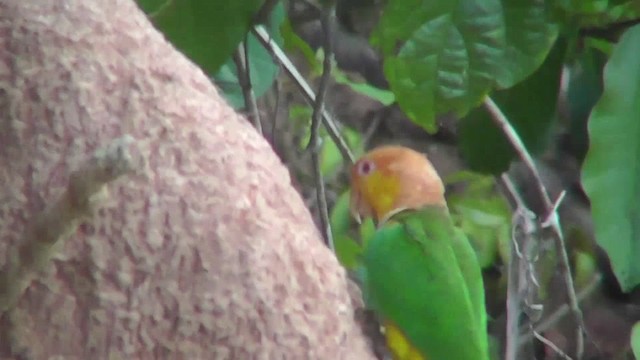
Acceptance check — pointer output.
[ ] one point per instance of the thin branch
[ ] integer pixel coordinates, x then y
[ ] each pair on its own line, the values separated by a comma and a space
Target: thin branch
316, 120
513, 297
332, 129
551, 345
61, 219
276, 108
372, 128
522, 286
554, 221
563, 310
240, 58
318, 105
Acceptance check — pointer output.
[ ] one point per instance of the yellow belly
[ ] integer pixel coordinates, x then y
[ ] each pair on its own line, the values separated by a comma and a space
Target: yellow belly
400, 347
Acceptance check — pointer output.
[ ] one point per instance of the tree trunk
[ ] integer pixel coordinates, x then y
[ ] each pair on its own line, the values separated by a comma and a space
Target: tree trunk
201, 249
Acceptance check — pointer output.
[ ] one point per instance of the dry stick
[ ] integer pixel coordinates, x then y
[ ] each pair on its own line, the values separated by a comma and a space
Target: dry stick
276, 109
328, 122
513, 296
551, 216
563, 310
240, 58
517, 338
61, 219
316, 119
550, 344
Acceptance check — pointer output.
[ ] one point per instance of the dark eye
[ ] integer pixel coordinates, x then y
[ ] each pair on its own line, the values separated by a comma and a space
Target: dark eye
365, 167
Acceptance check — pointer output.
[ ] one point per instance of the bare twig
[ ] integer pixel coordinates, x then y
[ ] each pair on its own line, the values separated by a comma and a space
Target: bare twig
372, 128
332, 129
318, 105
316, 117
562, 311
240, 58
522, 286
513, 297
276, 109
61, 219
554, 222
551, 345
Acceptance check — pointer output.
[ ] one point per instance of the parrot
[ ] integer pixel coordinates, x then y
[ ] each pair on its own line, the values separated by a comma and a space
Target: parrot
419, 273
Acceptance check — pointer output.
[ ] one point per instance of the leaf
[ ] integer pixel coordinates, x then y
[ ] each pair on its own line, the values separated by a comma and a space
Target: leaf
331, 159
530, 36
262, 69
482, 214
385, 97
206, 31
530, 106
454, 52
151, 6
293, 42
611, 172
347, 249
340, 218
635, 340
584, 91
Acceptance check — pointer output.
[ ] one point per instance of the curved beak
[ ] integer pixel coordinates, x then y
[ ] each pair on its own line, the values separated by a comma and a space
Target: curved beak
354, 206
358, 206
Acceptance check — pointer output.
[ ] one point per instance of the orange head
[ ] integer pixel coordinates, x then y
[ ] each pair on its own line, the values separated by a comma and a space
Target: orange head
390, 179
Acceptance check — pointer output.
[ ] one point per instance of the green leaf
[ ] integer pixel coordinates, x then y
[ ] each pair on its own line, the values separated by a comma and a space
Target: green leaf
385, 97
206, 31
347, 249
331, 159
293, 42
454, 52
635, 340
530, 36
611, 172
482, 213
151, 6
584, 91
530, 106
340, 217
262, 69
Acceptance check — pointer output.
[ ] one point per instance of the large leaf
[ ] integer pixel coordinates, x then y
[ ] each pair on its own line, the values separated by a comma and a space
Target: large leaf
584, 91
262, 69
530, 36
611, 173
530, 106
206, 31
453, 52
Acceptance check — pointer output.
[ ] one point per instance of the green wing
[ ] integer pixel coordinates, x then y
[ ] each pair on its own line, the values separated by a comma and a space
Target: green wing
414, 280
470, 268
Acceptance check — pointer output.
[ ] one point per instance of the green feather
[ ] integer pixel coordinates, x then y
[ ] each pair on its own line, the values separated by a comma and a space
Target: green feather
424, 277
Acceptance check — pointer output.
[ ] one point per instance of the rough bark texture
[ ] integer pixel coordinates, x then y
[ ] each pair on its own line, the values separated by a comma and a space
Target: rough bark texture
205, 252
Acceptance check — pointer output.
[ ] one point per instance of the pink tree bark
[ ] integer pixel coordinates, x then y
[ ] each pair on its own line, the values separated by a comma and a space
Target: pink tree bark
201, 250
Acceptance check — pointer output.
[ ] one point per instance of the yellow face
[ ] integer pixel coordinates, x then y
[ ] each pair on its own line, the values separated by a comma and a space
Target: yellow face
373, 193
392, 178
